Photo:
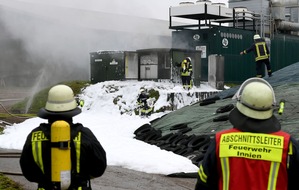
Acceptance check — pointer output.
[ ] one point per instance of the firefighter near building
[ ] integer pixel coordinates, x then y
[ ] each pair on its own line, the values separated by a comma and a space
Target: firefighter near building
261, 54
186, 73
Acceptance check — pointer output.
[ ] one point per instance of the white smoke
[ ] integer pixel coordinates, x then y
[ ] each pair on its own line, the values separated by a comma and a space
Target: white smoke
58, 35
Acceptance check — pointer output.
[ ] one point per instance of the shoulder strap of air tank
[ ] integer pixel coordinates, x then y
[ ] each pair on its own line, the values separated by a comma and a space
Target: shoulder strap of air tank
75, 129
46, 129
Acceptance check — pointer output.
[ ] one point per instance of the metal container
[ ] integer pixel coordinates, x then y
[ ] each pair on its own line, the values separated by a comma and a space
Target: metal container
225, 41
107, 65
156, 63
216, 71
144, 64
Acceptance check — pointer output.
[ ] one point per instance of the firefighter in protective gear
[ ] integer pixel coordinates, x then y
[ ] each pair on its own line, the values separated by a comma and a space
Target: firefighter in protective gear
186, 73
255, 153
145, 109
80, 102
88, 158
262, 55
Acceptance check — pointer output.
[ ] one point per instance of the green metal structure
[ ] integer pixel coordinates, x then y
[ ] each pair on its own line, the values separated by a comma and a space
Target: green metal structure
284, 51
224, 41
226, 31
143, 64
107, 65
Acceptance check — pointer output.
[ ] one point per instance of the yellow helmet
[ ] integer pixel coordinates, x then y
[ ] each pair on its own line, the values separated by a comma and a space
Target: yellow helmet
142, 90
255, 98
61, 101
255, 37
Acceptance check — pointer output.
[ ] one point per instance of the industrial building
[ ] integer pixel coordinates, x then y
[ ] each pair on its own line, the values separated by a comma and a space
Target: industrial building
225, 31
203, 29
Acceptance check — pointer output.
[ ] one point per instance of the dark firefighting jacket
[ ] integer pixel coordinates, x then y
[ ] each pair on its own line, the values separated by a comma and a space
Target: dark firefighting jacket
186, 68
87, 156
245, 167
260, 50
142, 98
142, 102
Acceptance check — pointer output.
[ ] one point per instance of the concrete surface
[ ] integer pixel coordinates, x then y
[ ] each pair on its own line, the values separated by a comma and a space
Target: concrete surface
114, 178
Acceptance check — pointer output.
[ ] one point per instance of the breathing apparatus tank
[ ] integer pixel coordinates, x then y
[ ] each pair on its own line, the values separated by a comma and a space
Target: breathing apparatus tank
60, 155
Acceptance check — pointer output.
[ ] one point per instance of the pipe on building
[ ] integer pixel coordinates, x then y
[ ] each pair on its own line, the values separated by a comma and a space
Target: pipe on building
289, 26
284, 3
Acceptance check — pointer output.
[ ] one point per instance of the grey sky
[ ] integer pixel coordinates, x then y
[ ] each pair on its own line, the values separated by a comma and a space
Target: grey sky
146, 8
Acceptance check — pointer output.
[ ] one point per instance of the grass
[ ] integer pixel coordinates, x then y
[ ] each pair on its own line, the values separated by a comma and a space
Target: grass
40, 98
231, 85
8, 184
39, 101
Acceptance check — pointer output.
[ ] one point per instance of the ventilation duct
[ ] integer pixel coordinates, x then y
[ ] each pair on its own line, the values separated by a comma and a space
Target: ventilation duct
278, 14
289, 26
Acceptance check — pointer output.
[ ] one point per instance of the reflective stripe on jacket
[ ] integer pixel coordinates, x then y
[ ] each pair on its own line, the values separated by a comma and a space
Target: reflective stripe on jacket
260, 50
242, 154
87, 155
186, 68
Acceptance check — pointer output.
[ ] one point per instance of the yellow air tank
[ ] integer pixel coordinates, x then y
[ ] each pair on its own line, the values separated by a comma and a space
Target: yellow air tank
60, 155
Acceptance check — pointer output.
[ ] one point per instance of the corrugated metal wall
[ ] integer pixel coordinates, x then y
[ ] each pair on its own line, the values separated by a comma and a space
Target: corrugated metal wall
230, 43
224, 41
284, 51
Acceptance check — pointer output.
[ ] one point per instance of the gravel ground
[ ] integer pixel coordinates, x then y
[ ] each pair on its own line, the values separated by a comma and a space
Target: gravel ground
114, 178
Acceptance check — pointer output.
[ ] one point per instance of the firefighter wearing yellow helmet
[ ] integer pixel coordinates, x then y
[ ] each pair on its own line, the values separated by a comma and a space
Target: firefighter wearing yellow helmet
186, 73
262, 55
61, 154
255, 153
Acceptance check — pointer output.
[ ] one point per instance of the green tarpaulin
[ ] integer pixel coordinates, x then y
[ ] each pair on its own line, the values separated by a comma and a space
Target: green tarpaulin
201, 119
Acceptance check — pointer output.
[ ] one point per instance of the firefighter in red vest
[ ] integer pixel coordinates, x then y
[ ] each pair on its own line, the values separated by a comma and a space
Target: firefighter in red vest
255, 153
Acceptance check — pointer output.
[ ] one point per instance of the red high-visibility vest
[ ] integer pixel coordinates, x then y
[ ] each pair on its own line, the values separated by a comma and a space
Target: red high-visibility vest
251, 161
